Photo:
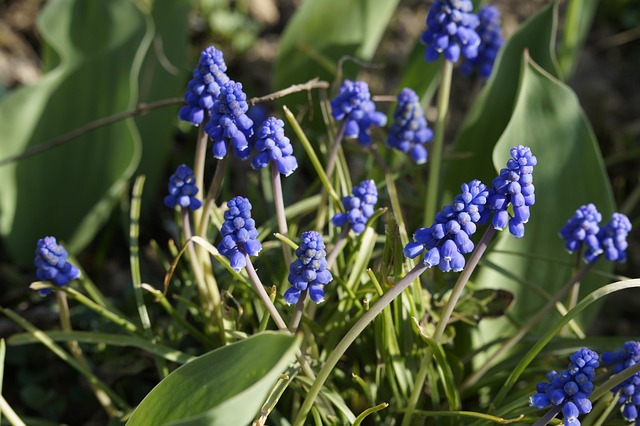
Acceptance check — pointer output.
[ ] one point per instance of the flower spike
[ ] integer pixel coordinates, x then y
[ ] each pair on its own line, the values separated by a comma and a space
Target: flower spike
52, 264
354, 105
239, 233
182, 189
309, 270
273, 145
489, 31
359, 206
409, 131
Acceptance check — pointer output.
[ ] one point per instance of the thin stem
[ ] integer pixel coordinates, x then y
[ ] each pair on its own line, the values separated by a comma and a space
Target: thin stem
337, 248
209, 202
575, 290
278, 199
549, 415
8, 412
262, 293
350, 337
198, 164
435, 158
314, 83
76, 352
333, 154
297, 312
444, 320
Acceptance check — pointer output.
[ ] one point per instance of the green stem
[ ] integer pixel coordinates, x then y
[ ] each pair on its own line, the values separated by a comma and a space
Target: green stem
548, 416
262, 293
333, 154
8, 412
350, 337
198, 162
297, 312
444, 320
337, 248
209, 202
278, 199
435, 159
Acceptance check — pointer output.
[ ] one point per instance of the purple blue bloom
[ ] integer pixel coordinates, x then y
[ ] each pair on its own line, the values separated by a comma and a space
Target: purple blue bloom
359, 206
204, 87
409, 131
229, 122
583, 228
309, 270
619, 361
571, 388
273, 145
513, 187
183, 189
51, 261
451, 30
613, 237
447, 240
239, 233
354, 105
490, 32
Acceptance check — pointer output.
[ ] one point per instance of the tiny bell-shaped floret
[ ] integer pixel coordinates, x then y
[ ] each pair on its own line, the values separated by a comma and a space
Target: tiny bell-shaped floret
239, 233
273, 145
451, 30
490, 32
629, 389
309, 271
360, 206
183, 189
583, 228
409, 131
353, 104
204, 87
52, 264
229, 122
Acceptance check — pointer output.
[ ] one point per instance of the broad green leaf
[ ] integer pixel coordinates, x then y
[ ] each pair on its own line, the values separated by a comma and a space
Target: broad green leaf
492, 111
322, 31
69, 191
578, 19
227, 386
570, 172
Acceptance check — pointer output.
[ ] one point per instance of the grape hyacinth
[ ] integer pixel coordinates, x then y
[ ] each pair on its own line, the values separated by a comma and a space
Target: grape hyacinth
583, 228
239, 233
514, 186
629, 389
447, 240
354, 105
229, 122
309, 270
613, 237
451, 30
490, 33
52, 264
204, 87
273, 145
571, 388
182, 189
409, 131
359, 206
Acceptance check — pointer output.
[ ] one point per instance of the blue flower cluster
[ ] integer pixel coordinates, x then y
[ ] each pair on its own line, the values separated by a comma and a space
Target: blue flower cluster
52, 264
204, 87
409, 131
448, 238
569, 389
620, 360
309, 270
583, 227
182, 189
359, 206
239, 233
273, 145
513, 186
451, 29
613, 237
490, 33
229, 122
354, 105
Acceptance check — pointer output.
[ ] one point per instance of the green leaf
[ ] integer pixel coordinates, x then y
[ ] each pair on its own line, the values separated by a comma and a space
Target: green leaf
578, 19
322, 31
570, 173
69, 191
224, 387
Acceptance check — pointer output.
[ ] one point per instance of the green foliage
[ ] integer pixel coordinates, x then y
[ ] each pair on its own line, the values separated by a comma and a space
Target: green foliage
226, 386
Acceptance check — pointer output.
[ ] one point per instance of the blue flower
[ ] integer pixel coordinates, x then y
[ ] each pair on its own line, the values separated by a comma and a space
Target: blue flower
204, 87
409, 131
447, 240
229, 122
491, 40
359, 206
354, 105
629, 389
309, 270
239, 233
583, 228
273, 145
451, 29
182, 189
571, 388
613, 237
52, 264
513, 187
